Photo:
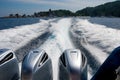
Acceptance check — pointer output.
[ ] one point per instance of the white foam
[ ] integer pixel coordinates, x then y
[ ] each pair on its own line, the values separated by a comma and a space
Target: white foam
15, 38
103, 37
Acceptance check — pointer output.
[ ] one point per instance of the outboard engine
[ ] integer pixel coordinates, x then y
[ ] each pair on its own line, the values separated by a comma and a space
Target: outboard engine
36, 66
72, 65
9, 69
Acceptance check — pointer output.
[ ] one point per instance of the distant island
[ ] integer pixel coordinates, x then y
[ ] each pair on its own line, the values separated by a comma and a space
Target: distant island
110, 9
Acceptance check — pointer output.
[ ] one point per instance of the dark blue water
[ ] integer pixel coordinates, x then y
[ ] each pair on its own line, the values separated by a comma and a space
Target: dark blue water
109, 22
6, 23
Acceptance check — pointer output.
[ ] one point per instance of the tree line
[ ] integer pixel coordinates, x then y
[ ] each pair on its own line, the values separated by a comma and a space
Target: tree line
50, 13
111, 9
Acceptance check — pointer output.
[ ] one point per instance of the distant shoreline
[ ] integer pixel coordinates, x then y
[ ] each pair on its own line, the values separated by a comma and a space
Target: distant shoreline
60, 17
110, 9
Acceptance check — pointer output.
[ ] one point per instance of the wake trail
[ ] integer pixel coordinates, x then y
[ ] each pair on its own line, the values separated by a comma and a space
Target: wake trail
58, 42
96, 41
